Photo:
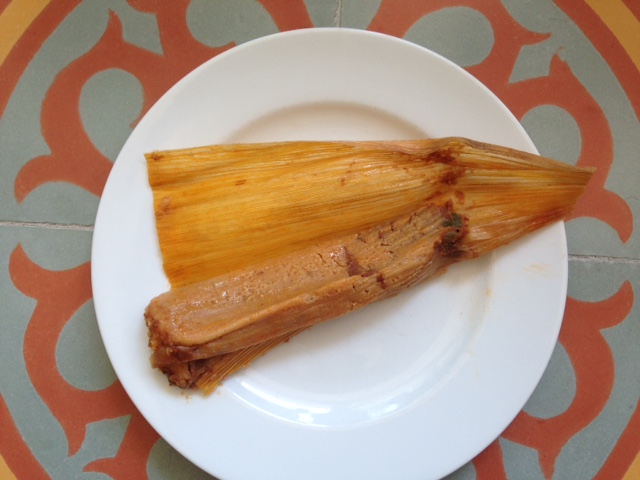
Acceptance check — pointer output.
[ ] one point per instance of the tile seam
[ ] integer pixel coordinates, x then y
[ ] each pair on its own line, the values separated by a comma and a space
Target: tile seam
48, 225
604, 259
337, 16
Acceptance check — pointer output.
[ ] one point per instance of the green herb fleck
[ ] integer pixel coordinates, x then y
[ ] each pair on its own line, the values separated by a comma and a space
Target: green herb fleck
454, 220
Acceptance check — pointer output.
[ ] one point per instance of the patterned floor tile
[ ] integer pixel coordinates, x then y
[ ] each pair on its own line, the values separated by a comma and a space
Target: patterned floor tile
77, 76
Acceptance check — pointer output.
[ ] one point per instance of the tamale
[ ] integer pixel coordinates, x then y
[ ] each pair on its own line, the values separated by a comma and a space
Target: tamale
262, 241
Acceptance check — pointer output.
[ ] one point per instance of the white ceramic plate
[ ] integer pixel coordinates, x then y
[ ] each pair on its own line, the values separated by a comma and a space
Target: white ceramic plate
411, 388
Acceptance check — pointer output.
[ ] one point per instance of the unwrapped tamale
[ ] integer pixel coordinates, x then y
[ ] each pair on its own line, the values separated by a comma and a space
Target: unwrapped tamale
261, 241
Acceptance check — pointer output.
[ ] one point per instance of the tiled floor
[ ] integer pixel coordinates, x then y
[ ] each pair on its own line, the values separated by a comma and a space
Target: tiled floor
76, 76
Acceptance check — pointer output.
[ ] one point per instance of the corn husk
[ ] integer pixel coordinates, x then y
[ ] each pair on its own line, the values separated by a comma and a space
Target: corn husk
226, 207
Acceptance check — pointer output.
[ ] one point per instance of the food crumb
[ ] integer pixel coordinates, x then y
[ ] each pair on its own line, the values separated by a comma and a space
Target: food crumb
537, 268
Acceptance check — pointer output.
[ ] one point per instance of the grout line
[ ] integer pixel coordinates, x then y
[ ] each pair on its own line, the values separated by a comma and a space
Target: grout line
337, 17
603, 259
48, 225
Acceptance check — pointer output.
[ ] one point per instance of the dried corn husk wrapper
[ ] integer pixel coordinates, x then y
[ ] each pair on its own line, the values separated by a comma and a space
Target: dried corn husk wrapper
226, 207
222, 207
